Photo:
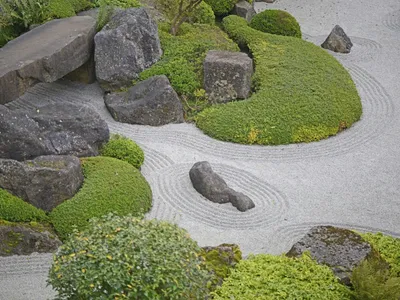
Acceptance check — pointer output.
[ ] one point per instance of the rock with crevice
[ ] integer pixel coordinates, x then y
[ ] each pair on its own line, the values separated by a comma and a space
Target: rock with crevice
338, 41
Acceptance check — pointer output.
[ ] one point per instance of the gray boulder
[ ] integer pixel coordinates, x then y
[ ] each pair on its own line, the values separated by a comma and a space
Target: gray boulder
214, 188
45, 54
227, 75
126, 46
245, 10
151, 102
338, 41
341, 249
44, 182
18, 239
60, 128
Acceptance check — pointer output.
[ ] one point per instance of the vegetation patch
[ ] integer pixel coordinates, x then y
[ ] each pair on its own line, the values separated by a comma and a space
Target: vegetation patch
303, 94
110, 185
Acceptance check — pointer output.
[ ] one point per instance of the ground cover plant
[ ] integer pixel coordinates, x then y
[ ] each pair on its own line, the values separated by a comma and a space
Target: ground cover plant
110, 185
302, 93
129, 258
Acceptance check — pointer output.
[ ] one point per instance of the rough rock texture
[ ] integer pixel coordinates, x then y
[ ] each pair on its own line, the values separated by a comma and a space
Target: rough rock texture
341, 249
60, 128
151, 102
338, 41
46, 53
227, 75
214, 188
23, 240
85, 73
245, 10
44, 182
127, 45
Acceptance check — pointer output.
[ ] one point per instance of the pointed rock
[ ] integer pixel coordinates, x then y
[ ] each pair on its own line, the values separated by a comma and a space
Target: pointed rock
338, 41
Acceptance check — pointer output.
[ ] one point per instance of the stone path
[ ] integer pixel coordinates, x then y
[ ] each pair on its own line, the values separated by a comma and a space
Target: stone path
351, 180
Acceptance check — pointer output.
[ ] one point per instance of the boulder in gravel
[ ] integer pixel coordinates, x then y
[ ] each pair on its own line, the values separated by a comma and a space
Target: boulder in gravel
44, 182
20, 239
245, 10
214, 188
45, 54
338, 41
341, 249
151, 102
227, 75
126, 46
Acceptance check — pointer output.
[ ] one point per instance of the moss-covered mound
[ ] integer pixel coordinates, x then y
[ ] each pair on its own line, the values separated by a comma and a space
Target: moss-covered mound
110, 185
279, 277
276, 22
302, 93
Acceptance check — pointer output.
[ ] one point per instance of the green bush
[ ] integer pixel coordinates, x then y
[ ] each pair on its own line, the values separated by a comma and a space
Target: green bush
202, 14
124, 149
278, 277
276, 22
14, 209
117, 3
129, 258
221, 7
303, 94
110, 185
58, 9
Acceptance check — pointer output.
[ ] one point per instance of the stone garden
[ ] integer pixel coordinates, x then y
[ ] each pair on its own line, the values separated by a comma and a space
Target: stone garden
188, 149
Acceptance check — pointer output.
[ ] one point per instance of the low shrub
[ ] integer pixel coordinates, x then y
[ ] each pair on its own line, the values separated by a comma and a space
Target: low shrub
278, 277
128, 258
125, 149
14, 209
302, 93
110, 185
58, 9
221, 7
117, 3
276, 22
202, 14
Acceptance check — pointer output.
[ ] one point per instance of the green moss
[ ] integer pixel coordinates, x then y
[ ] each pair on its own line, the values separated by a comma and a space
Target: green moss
110, 185
302, 93
276, 22
65, 8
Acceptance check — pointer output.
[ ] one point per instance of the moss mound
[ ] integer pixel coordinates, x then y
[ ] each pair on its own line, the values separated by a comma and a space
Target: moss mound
279, 277
302, 93
110, 185
276, 22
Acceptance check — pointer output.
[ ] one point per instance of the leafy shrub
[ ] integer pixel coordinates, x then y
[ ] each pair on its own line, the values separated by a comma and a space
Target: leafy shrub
110, 185
278, 277
104, 16
58, 9
14, 209
302, 93
129, 258
124, 149
276, 22
202, 14
221, 7
117, 3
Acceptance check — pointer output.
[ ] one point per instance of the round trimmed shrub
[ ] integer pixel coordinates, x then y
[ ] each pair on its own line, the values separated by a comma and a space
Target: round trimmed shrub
272, 277
128, 258
125, 149
203, 14
221, 7
276, 22
110, 185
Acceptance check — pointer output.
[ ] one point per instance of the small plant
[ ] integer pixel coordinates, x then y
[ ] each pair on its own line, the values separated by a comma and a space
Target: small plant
202, 14
221, 7
129, 258
122, 148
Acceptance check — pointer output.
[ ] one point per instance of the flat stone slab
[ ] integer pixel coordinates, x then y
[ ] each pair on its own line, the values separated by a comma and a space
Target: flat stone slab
46, 53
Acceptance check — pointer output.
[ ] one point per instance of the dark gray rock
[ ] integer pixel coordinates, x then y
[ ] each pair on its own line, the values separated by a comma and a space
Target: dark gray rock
341, 249
127, 45
151, 102
245, 10
214, 188
45, 54
60, 128
227, 75
19, 239
44, 182
338, 41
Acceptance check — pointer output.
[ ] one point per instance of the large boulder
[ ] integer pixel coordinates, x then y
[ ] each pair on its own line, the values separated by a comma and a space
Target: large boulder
227, 75
245, 10
151, 102
338, 41
45, 54
341, 249
44, 182
59, 128
126, 46
214, 188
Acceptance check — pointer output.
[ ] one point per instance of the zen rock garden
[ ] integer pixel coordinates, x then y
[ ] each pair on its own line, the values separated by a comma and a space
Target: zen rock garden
104, 104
